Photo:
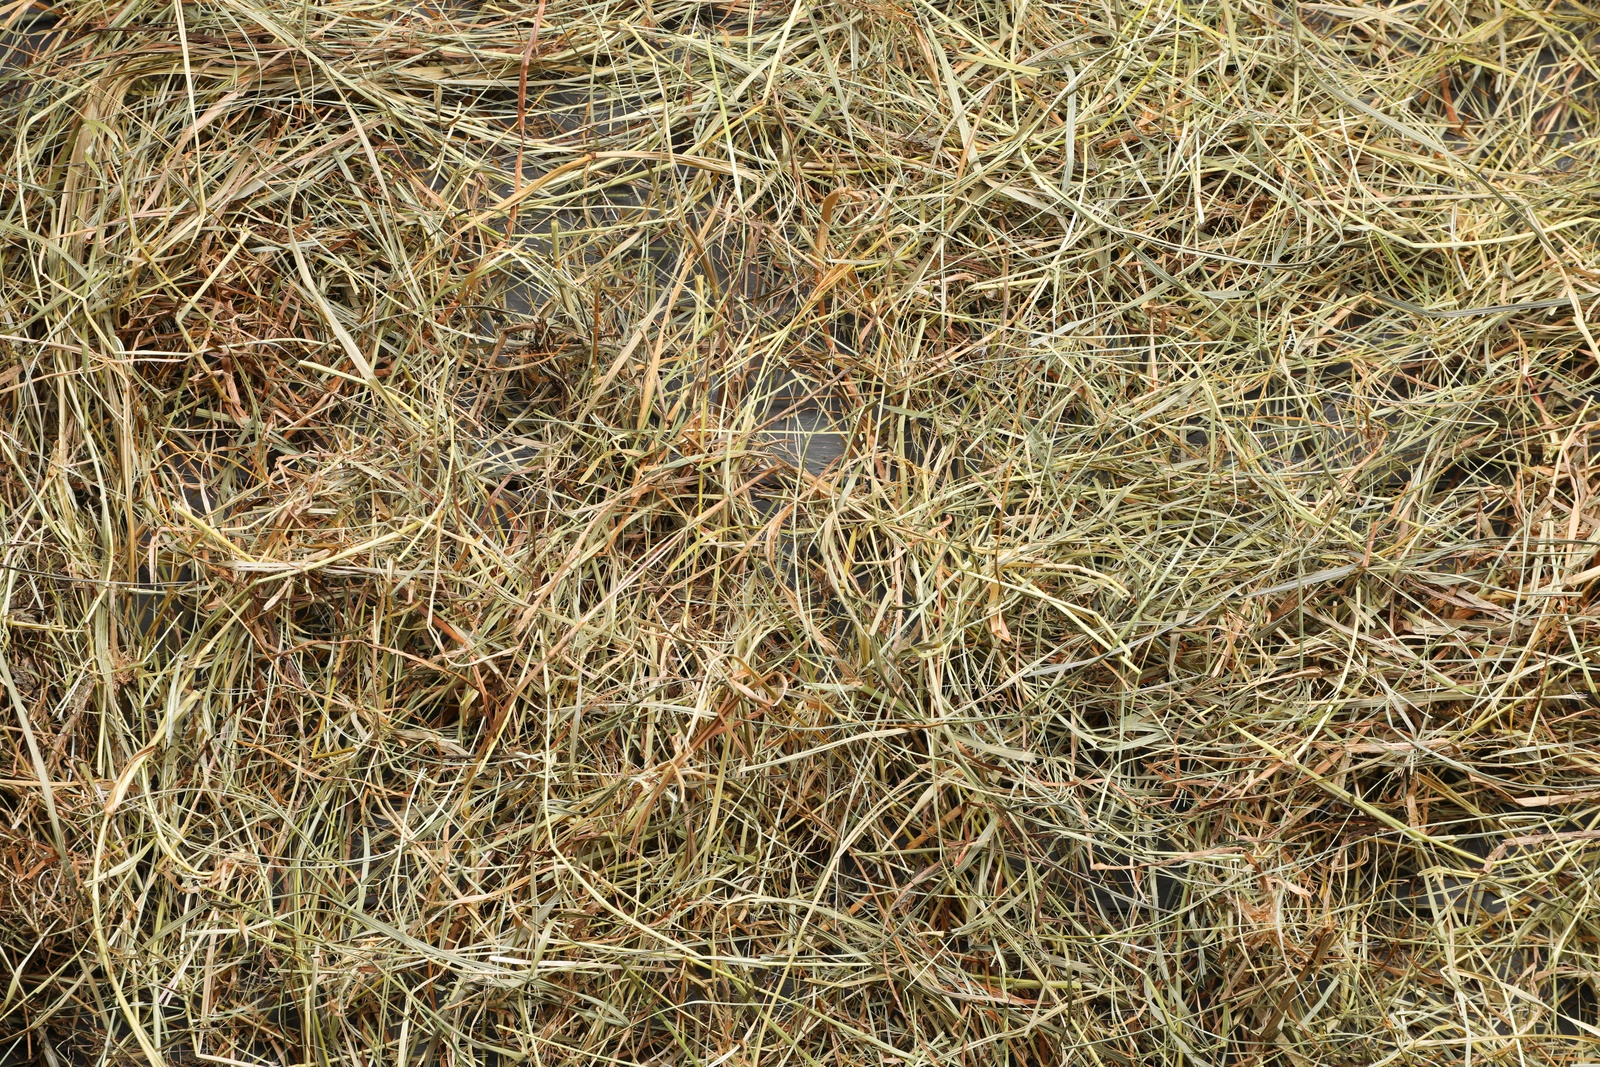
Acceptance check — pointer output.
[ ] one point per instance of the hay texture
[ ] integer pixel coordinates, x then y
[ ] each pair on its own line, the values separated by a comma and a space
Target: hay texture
1015, 532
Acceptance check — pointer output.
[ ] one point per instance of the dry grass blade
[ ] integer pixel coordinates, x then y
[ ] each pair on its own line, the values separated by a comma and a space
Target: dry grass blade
887, 531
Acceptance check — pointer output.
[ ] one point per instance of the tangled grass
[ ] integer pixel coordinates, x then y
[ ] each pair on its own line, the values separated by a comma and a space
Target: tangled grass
883, 531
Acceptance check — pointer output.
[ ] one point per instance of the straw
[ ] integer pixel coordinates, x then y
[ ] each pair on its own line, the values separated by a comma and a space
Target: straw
763, 534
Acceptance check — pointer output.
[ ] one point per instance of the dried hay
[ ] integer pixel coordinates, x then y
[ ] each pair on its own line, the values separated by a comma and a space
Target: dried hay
758, 533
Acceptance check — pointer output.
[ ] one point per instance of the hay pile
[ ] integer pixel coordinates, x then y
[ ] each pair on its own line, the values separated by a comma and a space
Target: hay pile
882, 531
